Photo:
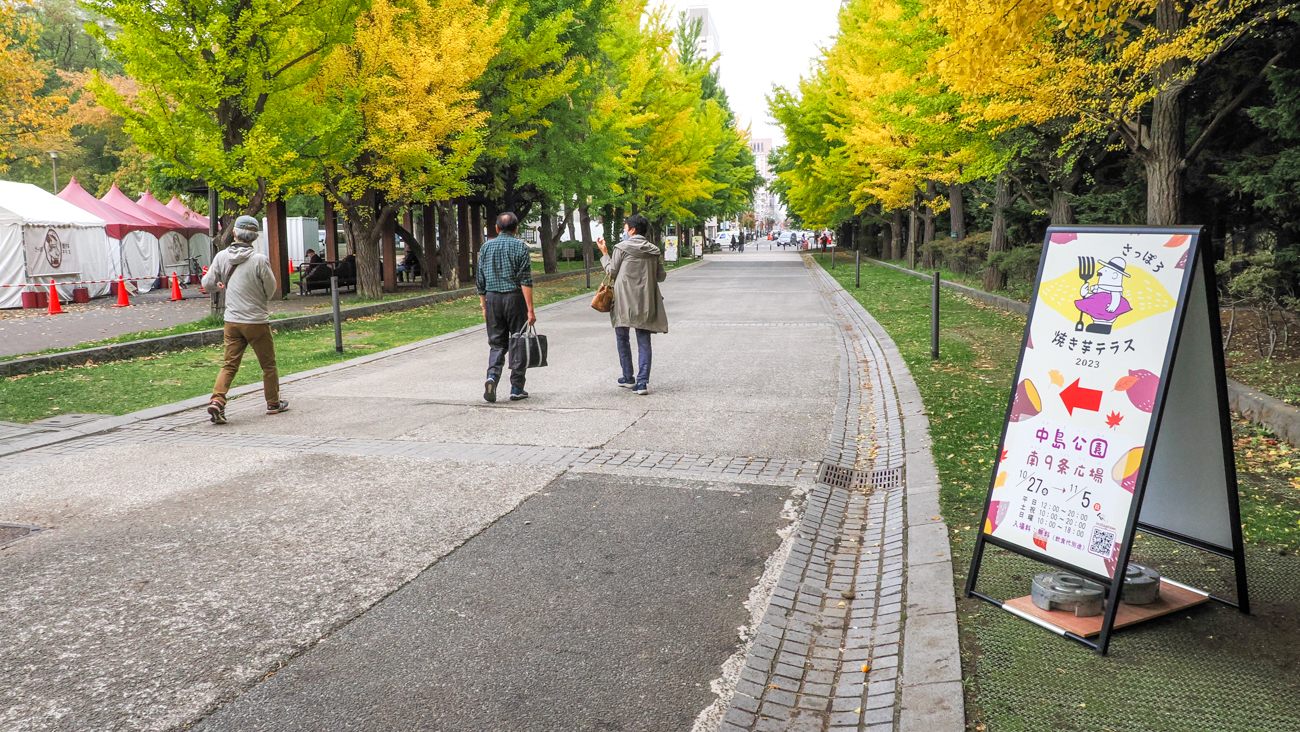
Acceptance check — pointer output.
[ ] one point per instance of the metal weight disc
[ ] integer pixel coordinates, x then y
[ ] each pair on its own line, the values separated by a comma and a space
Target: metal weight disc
1065, 591
1141, 585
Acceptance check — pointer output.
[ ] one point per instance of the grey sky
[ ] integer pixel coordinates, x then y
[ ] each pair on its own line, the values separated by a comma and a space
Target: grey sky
765, 42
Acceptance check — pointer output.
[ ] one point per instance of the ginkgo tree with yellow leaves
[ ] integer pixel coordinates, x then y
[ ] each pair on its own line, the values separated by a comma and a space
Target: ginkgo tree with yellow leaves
1008, 97
403, 118
1121, 66
31, 122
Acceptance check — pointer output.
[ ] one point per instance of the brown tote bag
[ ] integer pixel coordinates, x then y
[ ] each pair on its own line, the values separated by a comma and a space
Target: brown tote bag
603, 301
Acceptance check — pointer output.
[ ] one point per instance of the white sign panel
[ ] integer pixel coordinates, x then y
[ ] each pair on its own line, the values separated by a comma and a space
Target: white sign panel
1098, 340
670, 249
49, 251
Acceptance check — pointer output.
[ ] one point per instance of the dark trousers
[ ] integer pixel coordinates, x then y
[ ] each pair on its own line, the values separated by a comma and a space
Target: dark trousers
643, 353
506, 313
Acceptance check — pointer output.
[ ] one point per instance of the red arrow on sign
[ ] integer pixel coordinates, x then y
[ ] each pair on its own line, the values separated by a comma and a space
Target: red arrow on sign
1078, 397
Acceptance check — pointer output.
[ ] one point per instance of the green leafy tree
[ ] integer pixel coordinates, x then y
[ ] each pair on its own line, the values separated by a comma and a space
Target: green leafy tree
216, 82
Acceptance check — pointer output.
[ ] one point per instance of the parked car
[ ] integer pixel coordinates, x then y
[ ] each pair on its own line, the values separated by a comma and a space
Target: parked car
723, 238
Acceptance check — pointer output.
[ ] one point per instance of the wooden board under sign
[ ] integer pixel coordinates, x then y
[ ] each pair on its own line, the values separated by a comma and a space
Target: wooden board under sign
1172, 599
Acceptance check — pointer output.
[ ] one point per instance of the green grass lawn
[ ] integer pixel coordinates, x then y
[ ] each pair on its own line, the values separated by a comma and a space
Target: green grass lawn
1210, 669
120, 387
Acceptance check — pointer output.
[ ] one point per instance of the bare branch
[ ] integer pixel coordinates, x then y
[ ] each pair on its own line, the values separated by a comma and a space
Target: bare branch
1228, 109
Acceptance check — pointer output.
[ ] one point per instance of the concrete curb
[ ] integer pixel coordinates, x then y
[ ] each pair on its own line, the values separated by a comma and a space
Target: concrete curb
107, 424
148, 346
1278, 416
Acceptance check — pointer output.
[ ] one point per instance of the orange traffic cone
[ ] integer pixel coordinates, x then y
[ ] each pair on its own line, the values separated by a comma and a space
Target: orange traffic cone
123, 299
291, 269
55, 307
176, 288
202, 289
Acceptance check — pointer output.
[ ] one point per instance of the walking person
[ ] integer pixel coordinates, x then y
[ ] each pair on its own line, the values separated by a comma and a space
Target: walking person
249, 285
637, 269
504, 278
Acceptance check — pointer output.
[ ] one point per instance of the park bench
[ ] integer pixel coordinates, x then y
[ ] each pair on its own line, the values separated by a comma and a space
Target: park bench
313, 277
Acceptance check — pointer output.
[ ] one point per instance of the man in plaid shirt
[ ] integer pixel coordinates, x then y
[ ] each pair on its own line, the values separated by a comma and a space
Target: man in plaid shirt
504, 277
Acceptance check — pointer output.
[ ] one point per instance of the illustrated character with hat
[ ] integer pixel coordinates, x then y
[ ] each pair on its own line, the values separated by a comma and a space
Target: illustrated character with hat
1105, 301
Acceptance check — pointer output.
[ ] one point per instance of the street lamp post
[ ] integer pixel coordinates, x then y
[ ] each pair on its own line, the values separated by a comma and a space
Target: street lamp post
54, 168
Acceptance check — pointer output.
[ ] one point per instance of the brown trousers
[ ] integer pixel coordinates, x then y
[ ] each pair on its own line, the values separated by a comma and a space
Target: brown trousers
238, 337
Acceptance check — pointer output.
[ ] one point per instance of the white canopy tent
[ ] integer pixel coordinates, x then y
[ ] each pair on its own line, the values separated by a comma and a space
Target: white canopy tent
43, 238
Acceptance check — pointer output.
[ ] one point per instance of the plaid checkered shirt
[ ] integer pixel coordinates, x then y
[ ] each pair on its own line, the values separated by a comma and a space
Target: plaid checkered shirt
503, 266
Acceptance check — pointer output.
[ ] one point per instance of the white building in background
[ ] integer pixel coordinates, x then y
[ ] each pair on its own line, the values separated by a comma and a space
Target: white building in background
709, 46
767, 206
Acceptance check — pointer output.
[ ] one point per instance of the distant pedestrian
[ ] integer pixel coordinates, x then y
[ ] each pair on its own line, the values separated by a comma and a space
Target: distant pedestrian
504, 277
309, 263
249, 285
637, 269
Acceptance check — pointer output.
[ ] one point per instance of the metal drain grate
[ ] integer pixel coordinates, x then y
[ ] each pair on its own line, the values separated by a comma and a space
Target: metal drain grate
9, 533
836, 476
890, 478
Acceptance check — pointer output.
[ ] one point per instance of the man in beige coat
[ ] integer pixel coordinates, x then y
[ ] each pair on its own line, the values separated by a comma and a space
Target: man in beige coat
637, 268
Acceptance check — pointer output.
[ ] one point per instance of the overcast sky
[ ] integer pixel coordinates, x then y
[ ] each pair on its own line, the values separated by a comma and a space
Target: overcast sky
765, 43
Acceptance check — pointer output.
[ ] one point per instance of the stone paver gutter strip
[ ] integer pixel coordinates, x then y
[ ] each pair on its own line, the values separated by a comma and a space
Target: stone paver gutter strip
1278, 416
861, 630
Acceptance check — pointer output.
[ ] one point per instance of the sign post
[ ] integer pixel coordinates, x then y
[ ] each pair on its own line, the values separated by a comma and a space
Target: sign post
1118, 421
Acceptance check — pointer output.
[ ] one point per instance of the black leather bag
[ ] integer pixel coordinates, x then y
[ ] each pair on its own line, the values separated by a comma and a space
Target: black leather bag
527, 349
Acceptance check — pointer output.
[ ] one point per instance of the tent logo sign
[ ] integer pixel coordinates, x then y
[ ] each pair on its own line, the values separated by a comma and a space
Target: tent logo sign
53, 248
49, 251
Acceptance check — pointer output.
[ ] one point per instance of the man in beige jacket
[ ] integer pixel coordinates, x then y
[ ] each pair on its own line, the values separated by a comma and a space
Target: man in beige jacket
249, 285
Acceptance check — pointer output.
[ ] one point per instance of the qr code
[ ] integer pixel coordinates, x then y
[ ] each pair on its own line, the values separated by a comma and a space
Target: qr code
1102, 541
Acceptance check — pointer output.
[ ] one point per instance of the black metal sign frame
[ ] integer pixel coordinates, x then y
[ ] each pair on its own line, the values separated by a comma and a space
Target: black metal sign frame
1199, 256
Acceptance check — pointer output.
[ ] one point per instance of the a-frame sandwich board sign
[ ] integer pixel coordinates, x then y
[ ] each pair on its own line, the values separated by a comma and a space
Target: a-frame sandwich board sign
1118, 418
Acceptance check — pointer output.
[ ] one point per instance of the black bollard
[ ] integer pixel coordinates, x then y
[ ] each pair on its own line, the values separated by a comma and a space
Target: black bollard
934, 318
857, 264
338, 317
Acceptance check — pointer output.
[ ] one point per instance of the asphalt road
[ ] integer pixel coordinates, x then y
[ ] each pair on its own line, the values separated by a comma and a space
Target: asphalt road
602, 603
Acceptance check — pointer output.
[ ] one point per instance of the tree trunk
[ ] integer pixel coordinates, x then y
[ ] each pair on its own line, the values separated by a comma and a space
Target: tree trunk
361, 221
365, 236
957, 211
491, 210
584, 217
428, 233
1062, 207
993, 277
449, 276
464, 243
568, 217
552, 230
896, 235
927, 238
609, 224
1163, 159
913, 233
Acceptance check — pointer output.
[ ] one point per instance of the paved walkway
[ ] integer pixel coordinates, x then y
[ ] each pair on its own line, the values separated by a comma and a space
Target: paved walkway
395, 554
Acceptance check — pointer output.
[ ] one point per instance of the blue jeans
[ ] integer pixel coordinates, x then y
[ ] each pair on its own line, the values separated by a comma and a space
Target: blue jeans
621, 337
